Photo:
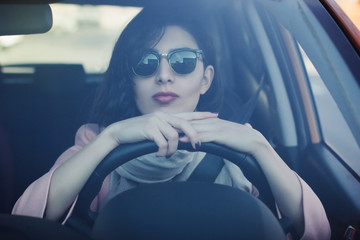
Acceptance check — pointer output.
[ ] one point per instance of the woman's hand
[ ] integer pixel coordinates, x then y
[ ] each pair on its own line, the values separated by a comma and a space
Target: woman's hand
162, 128
239, 137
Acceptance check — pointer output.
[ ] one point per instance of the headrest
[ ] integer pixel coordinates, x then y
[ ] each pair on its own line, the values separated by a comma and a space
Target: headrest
59, 78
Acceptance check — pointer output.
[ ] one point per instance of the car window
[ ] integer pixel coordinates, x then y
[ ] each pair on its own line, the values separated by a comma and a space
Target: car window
335, 130
331, 75
82, 34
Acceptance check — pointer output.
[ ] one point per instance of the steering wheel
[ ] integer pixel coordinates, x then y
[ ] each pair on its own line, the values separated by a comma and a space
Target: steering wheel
82, 218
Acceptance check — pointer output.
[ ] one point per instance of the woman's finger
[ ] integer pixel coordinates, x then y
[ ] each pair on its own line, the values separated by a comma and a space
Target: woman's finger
171, 135
189, 116
204, 136
161, 142
185, 127
210, 124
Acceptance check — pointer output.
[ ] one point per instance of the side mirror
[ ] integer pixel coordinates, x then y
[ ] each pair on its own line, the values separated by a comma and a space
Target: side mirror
18, 19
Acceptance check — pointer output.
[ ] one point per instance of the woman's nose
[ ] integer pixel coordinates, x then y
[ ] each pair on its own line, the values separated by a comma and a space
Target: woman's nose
165, 73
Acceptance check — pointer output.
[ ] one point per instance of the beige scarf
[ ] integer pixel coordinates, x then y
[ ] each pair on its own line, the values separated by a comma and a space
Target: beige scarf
152, 169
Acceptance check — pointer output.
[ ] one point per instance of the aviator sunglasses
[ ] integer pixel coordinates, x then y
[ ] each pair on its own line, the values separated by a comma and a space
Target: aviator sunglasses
182, 61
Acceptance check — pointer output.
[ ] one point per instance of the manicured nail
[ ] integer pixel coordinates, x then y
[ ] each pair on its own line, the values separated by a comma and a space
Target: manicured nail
197, 145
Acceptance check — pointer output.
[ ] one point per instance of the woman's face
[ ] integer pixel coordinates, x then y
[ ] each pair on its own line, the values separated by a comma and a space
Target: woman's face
166, 90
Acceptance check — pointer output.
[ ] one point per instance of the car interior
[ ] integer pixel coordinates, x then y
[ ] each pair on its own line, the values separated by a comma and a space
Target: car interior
267, 84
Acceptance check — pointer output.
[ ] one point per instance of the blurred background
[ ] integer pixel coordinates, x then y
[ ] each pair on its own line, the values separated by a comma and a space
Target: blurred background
81, 34
352, 9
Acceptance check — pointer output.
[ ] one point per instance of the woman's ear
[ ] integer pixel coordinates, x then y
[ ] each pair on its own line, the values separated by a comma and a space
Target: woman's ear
207, 79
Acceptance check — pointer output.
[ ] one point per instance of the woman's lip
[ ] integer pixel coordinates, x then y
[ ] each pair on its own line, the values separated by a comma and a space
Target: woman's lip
165, 97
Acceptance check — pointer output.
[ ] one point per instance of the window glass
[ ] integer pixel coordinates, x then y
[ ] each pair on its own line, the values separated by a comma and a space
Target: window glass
335, 130
80, 34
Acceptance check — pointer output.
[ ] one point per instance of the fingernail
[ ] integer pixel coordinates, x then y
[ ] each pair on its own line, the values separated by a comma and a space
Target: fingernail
197, 145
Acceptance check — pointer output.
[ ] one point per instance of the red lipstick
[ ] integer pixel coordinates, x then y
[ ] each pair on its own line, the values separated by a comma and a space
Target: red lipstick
165, 97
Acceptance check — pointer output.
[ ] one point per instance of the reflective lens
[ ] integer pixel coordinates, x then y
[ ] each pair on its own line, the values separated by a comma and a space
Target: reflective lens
181, 61
147, 65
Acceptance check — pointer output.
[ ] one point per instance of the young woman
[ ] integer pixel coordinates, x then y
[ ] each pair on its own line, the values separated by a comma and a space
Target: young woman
161, 86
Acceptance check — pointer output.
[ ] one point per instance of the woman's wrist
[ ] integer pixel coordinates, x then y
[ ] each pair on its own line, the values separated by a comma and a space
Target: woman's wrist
260, 146
109, 137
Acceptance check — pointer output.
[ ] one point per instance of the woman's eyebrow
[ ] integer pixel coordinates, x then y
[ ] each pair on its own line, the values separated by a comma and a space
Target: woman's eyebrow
182, 48
171, 50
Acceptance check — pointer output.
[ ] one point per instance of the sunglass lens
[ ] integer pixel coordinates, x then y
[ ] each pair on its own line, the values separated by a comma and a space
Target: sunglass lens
147, 65
183, 62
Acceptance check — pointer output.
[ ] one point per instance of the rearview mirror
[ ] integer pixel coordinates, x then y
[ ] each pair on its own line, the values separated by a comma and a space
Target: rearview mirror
18, 19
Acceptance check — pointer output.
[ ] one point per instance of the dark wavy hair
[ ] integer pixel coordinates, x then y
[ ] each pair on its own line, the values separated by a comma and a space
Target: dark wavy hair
115, 99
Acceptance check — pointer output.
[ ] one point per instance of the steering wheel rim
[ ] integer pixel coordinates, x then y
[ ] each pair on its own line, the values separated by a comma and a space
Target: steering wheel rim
82, 218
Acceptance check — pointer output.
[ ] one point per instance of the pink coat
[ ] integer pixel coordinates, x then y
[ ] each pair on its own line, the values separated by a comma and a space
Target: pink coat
34, 200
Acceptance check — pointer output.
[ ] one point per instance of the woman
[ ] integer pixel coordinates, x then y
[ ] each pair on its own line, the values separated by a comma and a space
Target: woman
161, 86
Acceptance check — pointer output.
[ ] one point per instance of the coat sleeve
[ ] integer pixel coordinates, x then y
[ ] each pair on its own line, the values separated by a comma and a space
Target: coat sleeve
316, 223
33, 201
